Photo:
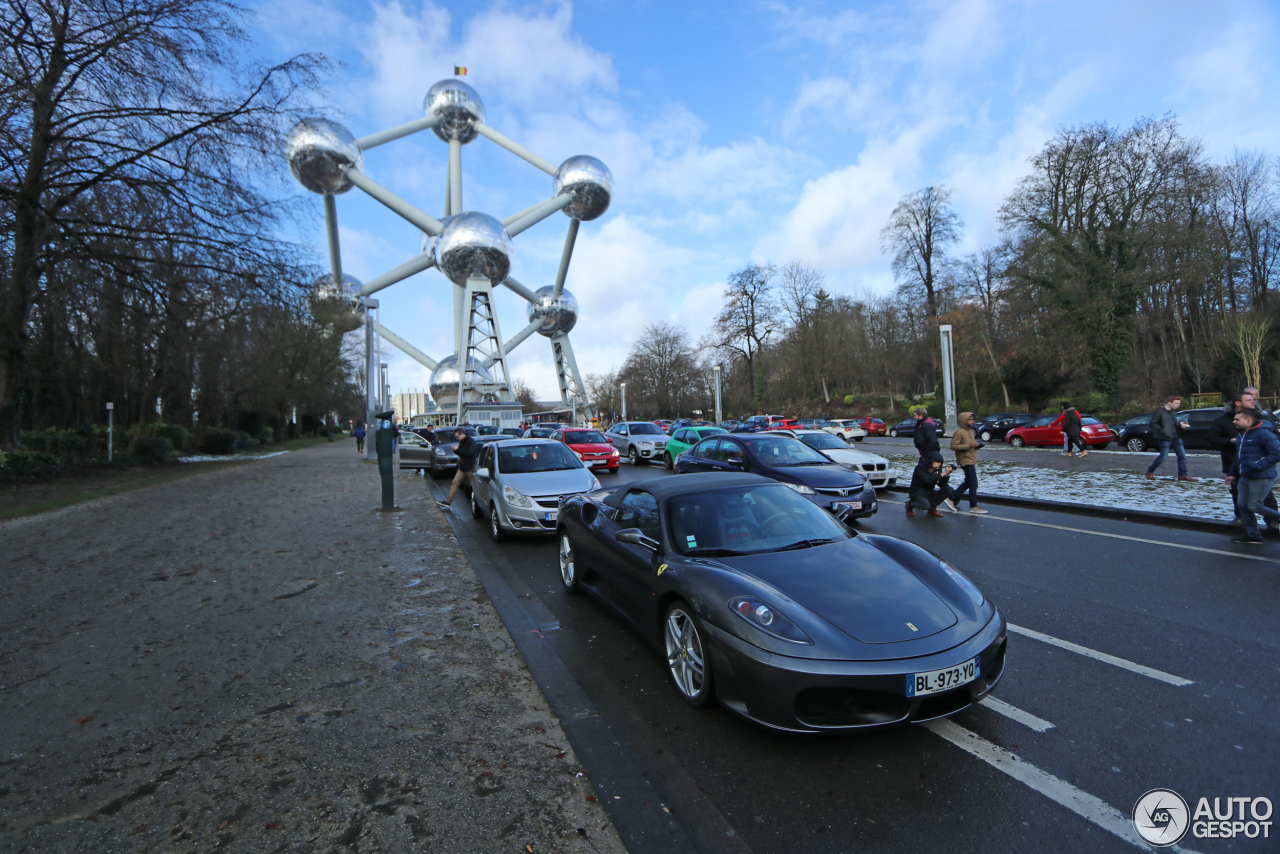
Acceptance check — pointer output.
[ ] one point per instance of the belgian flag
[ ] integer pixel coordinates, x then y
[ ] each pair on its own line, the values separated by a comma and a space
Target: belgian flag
459, 71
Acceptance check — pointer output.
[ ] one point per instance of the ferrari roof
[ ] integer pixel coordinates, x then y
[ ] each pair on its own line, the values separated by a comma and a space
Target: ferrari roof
662, 487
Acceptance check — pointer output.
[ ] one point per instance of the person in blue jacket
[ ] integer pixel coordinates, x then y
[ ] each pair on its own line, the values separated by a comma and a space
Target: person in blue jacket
359, 433
1254, 472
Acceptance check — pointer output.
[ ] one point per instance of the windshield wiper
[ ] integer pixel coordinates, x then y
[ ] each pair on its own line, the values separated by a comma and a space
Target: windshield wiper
809, 463
712, 551
804, 544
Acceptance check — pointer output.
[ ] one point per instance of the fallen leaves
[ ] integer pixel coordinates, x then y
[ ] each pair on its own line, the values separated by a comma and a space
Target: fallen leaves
84, 719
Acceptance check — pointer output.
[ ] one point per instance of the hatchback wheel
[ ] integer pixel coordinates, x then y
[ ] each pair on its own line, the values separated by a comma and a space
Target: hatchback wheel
893, 433
568, 571
670, 462
1018, 442
686, 656
1135, 444
475, 505
985, 436
495, 527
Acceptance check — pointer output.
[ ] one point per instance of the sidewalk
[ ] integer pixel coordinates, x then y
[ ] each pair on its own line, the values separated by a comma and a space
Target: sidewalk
254, 660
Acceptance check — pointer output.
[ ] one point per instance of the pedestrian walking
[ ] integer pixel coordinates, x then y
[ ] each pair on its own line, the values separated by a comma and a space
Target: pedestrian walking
395, 435
1254, 471
1223, 437
929, 486
467, 451
359, 433
1249, 398
926, 438
1165, 426
966, 445
1071, 431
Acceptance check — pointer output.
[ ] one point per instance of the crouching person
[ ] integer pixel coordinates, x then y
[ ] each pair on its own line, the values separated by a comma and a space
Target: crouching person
929, 486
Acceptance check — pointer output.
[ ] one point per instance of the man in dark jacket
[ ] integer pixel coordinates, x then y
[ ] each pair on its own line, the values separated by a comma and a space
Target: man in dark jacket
926, 439
1071, 427
929, 485
1222, 437
1165, 426
1255, 472
468, 450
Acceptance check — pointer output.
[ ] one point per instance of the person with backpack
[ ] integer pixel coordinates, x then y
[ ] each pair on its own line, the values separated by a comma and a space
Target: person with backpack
1254, 472
1165, 425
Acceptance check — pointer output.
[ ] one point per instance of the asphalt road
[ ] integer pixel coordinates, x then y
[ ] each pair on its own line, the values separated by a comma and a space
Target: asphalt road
1172, 683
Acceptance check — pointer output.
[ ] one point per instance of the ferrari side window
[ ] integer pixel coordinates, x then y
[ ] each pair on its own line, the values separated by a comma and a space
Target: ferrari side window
640, 510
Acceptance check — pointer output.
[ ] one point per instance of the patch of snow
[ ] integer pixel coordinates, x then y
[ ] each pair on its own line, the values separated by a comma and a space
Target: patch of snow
213, 458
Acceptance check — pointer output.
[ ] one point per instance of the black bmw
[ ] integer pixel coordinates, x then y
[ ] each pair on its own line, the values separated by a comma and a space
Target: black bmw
789, 461
779, 611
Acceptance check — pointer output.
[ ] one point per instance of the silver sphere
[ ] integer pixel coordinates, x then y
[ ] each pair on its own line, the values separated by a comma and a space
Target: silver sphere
320, 152
444, 380
337, 305
591, 184
458, 108
556, 315
473, 244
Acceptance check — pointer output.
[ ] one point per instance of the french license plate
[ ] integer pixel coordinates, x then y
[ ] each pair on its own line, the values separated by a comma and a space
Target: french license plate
550, 517
849, 505
920, 684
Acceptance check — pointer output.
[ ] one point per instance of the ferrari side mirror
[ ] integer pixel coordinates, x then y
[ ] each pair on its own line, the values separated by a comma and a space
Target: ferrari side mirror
635, 538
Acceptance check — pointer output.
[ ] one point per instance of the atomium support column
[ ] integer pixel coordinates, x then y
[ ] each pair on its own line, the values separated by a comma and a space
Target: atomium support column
484, 344
567, 372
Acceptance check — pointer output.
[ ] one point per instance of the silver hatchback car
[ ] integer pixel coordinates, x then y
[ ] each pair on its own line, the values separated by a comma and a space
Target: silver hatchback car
519, 484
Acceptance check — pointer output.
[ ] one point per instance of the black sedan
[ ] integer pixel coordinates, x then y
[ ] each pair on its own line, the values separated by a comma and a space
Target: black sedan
907, 428
1136, 434
787, 617
995, 427
789, 461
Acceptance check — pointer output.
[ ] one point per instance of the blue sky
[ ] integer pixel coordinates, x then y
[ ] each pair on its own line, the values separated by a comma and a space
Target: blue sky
746, 131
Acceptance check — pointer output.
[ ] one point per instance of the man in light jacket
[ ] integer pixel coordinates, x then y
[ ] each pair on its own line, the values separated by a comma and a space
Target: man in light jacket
1254, 472
1165, 427
966, 445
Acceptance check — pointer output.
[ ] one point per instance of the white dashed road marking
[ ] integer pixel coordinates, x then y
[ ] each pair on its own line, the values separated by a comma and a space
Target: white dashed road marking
1013, 713
1102, 656
1082, 803
1133, 539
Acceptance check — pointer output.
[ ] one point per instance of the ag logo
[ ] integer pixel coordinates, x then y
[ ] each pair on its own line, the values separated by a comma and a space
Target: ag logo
1161, 817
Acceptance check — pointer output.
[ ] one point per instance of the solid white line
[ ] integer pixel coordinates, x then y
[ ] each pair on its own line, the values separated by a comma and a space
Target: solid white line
1102, 656
1015, 714
1132, 539
1081, 803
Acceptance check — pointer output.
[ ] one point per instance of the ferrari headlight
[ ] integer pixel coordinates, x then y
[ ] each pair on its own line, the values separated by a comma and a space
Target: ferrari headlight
965, 584
515, 499
800, 488
767, 619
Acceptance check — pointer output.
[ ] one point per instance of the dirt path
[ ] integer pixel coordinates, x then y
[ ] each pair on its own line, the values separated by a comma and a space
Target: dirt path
254, 660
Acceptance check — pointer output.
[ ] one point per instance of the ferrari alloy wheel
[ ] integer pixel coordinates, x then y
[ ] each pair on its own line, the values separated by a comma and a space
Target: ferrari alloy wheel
685, 655
985, 436
1135, 444
634, 456
1018, 442
667, 459
475, 505
568, 572
495, 527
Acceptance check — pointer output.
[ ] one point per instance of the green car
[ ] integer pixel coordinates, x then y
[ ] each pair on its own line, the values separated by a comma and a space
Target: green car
684, 439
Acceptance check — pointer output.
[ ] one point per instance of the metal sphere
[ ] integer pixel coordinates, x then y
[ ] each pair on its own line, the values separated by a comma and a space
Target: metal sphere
337, 305
591, 184
457, 106
320, 152
444, 380
473, 244
556, 314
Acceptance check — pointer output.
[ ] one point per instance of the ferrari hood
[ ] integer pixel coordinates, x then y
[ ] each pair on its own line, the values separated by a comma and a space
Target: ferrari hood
856, 587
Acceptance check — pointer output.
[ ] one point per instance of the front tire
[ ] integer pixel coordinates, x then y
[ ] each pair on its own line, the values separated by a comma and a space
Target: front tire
687, 660
1018, 442
568, 567
858, 438
1135, 444
495, 527
671, 464
985, 436
634, 456
893, 433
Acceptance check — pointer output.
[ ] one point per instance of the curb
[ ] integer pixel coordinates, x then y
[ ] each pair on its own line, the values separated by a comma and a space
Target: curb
1145, 517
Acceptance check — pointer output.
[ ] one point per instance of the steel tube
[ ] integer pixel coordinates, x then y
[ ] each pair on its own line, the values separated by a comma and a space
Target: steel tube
538, 214
455, 177
516, 148
373, 140
564, 258
416, 264
331, 228
520, 289
514, 342
405, 347
422, 220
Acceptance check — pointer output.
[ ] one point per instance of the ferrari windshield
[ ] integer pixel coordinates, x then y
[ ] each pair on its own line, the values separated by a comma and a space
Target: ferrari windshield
749, 520
823, 442
526, 459
646, 430
584, 437
783, 451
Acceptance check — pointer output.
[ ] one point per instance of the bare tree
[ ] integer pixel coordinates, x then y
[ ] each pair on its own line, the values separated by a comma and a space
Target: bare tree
125, 123
748, 322
918, 233
523, 392
660, 371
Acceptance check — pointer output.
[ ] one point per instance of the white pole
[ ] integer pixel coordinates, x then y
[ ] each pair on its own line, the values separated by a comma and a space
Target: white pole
716, 370
948, 378
624, 401
111, 413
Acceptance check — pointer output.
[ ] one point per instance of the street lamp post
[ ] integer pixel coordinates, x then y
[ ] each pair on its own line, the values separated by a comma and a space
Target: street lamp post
624, 401
716, 370
948, 377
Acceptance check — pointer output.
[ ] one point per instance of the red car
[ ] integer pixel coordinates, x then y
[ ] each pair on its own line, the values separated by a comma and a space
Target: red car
591, 447
1048, 431
873, 426
664, 424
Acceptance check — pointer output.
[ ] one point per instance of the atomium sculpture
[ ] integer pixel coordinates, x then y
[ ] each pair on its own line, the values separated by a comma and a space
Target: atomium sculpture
472, 249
